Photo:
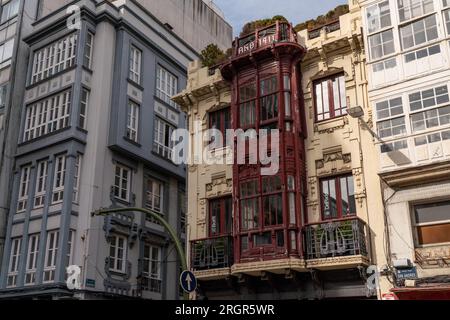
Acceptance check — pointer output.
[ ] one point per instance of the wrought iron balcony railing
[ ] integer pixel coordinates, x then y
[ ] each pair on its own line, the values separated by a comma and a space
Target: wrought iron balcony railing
212, 253
336, 238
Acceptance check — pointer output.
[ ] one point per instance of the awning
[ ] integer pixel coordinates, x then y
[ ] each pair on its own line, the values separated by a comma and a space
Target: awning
423, 293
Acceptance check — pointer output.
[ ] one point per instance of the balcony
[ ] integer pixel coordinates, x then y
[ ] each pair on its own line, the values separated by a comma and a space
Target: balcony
337, 244
211, 256
276, 33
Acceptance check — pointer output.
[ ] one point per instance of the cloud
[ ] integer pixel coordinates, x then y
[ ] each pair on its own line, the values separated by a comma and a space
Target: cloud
238, 12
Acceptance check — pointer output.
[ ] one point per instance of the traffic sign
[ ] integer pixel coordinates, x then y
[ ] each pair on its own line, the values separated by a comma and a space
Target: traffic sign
188, 281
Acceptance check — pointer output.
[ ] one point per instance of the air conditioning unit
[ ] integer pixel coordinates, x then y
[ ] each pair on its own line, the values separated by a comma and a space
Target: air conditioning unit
402, 263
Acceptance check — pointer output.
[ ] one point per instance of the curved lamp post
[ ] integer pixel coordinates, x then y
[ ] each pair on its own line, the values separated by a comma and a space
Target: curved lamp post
164, 223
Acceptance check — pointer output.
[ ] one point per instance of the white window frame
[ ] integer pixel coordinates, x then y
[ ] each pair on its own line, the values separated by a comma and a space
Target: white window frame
411, 5
135, 64
7, 50
47, 116
59, 179
24, 188
117, 262
9, 10
383, 44
377, 17
89, 50
14, 261
133, 111
149, 262
166, 85
41, 184
122, 185
404, 29
51, 253
160, 146
77, 177
54, 58
32, 259
84, 107
149, 194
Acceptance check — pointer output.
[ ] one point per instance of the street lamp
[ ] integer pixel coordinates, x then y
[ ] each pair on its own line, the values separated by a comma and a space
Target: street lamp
358, 113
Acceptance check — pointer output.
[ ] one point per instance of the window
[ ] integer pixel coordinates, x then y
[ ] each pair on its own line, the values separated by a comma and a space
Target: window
419, 32
70, 250
445, 3
422, 53
330, 97
247, 106
14, 259
432, 223
135, 64
6, 50
59, 179
409, 9
118, 254
3, 93
338, 197
10, 10
389, 108
163, 144
381, 44
250, 205
390, 128
447, 20
428, 98
84, 104
166, 85
269, 102
394, 146
24, 187
154, 195
51, 253
33, 249
76, 178
47, 116
272, 201
378, 16
151, 270
221, 121
54, 58
287, 95
220, 213
132, 121
384, 65
122, 183
88, 50
183, 210
41, 184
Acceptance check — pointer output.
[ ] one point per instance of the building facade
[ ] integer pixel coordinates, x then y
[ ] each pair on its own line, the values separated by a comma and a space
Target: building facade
308, 232
408, 68
95, 127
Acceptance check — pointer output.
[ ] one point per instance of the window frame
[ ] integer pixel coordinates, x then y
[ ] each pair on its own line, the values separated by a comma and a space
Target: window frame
153, 181
51, 252
32, 259
41, 184
59, 178
115, 258
331, 97
133, 118
118, 190
378, 17
135, 64
88, 50
171, 87
147, 268
427, 42
337, 180
224, 228
14, 262
84, 108
159, 147
24, 188
416, 225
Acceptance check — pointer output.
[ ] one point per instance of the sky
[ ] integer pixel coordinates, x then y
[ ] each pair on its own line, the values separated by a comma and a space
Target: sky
238, 12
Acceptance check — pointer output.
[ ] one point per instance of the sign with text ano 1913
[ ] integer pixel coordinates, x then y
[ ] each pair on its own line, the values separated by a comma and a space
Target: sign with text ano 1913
251, 45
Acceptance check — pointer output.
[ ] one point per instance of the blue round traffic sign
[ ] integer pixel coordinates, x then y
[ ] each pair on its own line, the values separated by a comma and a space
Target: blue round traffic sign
188, 281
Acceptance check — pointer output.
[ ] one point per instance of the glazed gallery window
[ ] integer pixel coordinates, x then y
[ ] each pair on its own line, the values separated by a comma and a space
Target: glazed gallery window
14, 260
409, 9
338, 197
247, 105
419, 32
32, 257
220, 213
221, 121
436, 103
378, 16
59, 179
135, 64
154, 195
51, 253
269, 102
88, 50
250, 196
24, 186
41, 184
447, 20
381, 44
6, 50
272, 201
133, 121
54, 58
151, 269
47, 116
163, 144
432, 223
166, 85
118, 254
122, 182
84, 104
330, 97
9, 10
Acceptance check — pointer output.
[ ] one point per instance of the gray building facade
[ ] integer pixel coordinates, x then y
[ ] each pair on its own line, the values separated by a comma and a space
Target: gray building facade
95, 126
